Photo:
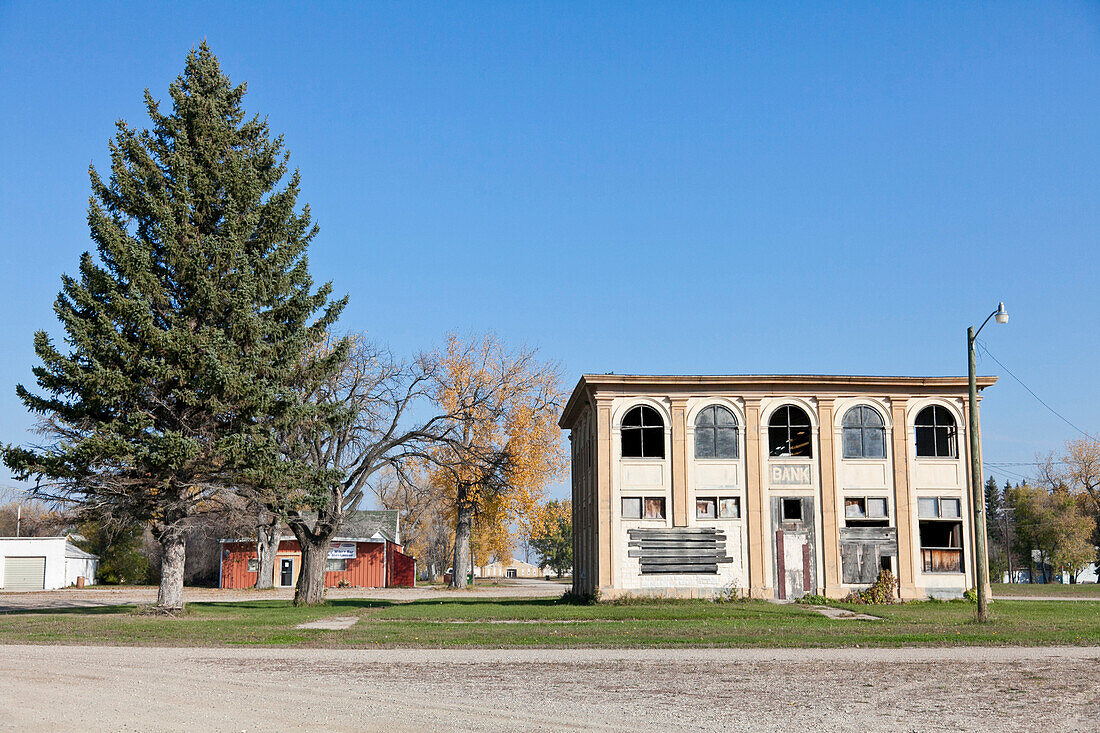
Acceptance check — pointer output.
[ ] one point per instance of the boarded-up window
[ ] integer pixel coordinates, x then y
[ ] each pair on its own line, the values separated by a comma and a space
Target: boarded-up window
706, 508
864, 551
941, 546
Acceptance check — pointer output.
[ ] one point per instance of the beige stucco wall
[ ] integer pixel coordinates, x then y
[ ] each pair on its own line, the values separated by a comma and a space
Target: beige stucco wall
602, 477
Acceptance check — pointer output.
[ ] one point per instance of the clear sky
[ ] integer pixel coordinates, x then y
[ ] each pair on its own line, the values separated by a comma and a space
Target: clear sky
635, 187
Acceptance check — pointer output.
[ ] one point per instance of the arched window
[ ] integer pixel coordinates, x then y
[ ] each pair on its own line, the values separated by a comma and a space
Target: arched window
716, 433
789, 433
643, 433
937, 436
864, 433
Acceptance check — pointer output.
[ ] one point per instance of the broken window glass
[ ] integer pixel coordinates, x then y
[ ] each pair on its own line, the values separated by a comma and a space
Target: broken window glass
729, 508
655, 508
789, 433
792, 510
643, 433
941, 546
855, 508
936, 433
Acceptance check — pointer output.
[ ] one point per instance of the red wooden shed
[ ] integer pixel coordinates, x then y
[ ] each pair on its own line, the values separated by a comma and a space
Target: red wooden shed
366, 553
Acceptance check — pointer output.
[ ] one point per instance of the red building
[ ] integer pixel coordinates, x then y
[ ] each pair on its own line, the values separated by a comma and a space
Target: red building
366, 553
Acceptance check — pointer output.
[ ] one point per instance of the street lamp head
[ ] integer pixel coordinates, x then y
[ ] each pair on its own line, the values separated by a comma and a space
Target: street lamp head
1001, 315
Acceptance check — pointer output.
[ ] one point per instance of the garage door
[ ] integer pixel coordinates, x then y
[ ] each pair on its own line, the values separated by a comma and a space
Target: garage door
24, 573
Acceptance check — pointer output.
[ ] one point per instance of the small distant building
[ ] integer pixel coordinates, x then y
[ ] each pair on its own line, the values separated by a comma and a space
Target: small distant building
44, 563
511, 569
366, 553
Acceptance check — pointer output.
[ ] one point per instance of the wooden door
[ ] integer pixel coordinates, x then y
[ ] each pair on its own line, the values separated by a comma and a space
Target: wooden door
795, 558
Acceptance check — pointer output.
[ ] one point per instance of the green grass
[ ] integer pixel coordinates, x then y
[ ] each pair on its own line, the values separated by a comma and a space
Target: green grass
473, 622
1049, 590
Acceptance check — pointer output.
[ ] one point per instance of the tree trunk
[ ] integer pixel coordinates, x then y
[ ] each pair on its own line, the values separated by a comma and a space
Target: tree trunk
173, 555
267, 545
310, 590
462, 546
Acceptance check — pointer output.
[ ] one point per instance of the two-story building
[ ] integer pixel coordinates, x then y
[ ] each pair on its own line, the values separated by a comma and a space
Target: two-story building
774, 486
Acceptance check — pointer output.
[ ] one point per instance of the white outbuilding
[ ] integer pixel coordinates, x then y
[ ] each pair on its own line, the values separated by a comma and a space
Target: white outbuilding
44, 563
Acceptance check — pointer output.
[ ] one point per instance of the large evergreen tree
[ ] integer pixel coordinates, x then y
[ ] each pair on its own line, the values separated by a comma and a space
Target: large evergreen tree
189, 338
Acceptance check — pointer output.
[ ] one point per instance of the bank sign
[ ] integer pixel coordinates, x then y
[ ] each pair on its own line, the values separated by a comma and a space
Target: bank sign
341, 551
790, 475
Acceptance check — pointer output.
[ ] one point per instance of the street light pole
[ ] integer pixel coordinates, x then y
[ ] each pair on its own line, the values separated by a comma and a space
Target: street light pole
981, 560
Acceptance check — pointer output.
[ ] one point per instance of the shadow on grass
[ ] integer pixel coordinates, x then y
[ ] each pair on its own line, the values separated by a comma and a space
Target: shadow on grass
71, 611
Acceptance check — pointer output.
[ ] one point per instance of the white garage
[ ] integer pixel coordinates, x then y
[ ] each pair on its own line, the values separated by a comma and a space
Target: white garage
44, 563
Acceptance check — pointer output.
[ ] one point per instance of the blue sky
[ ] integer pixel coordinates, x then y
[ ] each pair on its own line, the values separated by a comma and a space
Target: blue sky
662, 188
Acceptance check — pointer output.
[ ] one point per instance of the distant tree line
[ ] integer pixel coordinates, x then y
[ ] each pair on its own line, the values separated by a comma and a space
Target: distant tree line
1048, 525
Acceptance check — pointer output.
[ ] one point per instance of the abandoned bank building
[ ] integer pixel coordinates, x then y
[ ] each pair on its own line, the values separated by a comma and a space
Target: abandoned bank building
770, 486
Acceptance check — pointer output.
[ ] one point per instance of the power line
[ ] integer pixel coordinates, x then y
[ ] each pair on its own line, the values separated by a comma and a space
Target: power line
1006, 473
1063, 418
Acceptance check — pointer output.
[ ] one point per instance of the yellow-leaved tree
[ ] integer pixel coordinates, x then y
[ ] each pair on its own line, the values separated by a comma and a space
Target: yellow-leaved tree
503, 447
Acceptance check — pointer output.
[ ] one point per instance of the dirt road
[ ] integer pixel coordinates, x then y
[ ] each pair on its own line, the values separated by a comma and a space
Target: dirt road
158, 689
116, 595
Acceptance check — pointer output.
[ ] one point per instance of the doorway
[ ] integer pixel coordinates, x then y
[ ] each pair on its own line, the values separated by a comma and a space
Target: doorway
286, 572
795, 548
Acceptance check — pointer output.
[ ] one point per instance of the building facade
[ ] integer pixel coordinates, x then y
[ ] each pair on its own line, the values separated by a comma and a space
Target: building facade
44, 563
366, 553
770, 486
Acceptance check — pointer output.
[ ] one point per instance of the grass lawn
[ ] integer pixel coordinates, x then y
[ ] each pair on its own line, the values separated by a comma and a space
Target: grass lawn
1049, 590
495, 622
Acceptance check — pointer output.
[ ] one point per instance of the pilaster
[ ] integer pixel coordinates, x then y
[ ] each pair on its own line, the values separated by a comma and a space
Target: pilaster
604, 468
755, 501
830, 521
679, 462
903, 499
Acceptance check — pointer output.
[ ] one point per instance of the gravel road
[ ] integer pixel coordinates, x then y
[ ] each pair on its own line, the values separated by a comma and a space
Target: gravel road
115, 595
158, 689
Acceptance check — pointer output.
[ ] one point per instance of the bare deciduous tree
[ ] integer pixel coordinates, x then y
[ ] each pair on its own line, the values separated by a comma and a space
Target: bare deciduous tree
369, 427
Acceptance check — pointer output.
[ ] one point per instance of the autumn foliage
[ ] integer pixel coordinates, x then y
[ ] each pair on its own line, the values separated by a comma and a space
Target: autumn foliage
503, 448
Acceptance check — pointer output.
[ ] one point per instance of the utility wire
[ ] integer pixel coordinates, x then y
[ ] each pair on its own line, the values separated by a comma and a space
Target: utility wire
1063, 418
